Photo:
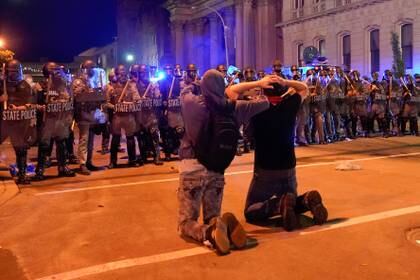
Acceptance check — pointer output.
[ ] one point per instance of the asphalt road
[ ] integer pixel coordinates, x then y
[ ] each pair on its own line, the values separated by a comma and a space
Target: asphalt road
121, 223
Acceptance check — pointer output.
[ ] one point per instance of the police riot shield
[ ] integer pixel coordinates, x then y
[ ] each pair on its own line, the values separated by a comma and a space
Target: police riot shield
58, 116
19, 115
90, 98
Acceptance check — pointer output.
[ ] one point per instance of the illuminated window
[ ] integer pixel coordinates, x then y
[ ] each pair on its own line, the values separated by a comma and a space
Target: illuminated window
374, 50
347, 51
407, 45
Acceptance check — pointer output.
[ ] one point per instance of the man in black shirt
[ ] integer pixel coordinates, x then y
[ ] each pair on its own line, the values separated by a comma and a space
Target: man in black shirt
273, 188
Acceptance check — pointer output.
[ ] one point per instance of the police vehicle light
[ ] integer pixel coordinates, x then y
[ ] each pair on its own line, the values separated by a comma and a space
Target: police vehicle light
159, 76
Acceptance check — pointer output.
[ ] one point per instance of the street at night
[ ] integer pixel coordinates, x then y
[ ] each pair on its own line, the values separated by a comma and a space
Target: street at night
121, 224
216, 139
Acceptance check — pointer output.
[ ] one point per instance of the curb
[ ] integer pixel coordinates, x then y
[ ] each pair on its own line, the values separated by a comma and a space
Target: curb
8, 190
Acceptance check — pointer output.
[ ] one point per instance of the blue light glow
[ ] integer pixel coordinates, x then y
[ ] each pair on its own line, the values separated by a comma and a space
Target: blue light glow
159, 76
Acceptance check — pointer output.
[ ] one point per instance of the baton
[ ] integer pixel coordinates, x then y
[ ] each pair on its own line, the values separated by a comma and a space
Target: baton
147, 90
123, 92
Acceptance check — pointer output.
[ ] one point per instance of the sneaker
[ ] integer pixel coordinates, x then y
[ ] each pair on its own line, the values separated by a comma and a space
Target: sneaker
287, 211
235, 231
216, 234
313, 201
84, 170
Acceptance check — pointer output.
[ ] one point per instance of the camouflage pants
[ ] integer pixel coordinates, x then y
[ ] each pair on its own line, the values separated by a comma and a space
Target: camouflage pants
198, 187
85, 148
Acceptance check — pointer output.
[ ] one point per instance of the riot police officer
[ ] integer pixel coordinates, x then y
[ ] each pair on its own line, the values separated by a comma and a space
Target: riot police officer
88, 90
378, 105
409, 110
174, 129
277, 68
148, 134
57, 119
19, 115
191, 80
121, 97
394, 94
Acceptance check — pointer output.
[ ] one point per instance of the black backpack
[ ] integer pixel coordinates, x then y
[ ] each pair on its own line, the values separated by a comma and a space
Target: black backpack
218, 141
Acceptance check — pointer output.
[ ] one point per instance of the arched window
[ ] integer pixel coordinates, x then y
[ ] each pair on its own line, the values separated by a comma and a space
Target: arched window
374, 50
321, 47
299, 52
407, 44
346, 49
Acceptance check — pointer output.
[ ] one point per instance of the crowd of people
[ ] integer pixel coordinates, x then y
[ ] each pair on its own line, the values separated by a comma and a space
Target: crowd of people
205, 122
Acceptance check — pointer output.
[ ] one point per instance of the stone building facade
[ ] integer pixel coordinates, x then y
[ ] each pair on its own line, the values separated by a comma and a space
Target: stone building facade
352, 33
198, 34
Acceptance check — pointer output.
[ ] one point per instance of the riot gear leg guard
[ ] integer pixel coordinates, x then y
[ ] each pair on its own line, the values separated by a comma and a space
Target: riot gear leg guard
155, 138
115, 144
21, 155
43, 149
414, 126
63, 170
131, 151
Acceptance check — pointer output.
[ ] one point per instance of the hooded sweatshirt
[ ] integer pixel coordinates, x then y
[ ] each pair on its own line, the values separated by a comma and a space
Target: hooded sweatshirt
196, 108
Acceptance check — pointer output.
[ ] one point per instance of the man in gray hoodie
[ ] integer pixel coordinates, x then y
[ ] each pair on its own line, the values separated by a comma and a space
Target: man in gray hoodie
198, 185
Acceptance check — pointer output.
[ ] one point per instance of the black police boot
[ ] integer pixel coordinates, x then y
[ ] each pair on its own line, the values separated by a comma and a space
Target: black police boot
157, 160
40, 167
84, 170
21, 155
63, 170
414, 126
131, 151
115, 145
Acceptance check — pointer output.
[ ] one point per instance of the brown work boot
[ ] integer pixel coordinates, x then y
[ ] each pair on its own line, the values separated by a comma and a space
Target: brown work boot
236, 232
287, 211
216, 234
313, 202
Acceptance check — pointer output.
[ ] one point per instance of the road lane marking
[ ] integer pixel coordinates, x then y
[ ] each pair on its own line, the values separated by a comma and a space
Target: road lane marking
180, 254
227, 174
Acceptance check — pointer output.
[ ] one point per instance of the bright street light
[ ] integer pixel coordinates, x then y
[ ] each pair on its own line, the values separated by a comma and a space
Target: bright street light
129, 57
2, 43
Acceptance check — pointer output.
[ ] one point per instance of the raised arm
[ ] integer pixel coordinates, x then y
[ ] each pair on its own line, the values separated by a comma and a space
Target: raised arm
235, 90
300, 88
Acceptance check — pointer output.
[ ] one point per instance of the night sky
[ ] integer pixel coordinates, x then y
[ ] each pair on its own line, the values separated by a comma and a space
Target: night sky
56, 29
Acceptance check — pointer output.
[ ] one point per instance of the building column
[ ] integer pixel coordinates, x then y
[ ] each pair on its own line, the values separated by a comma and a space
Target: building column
239, 40
177, 30
189, 37
229, 17
248, 34
215, 50
199, 46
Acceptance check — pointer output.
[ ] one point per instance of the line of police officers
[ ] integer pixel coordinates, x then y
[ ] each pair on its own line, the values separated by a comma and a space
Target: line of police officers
135, 103
146, 109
